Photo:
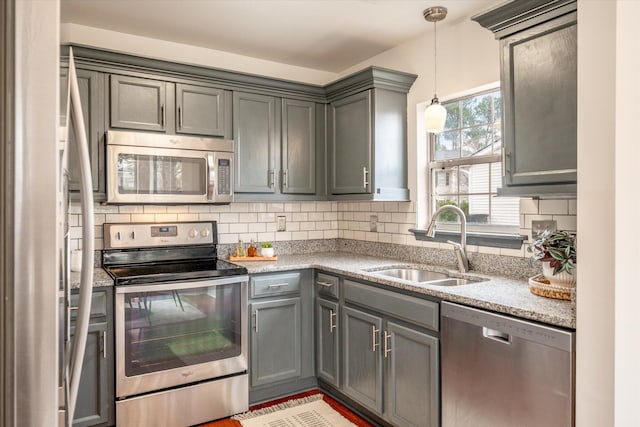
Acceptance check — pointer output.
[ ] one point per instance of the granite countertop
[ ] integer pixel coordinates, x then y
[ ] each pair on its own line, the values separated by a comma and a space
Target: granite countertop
100, 278
499, 294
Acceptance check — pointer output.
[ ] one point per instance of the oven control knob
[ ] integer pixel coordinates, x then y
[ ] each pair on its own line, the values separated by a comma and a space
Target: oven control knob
205, 232
193, 233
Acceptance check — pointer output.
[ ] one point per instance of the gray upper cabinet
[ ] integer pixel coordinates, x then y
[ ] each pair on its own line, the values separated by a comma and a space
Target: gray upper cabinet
298, 147
138, 103
200, 110
254, 130
92, 97
350, 136
538, 42
367, 136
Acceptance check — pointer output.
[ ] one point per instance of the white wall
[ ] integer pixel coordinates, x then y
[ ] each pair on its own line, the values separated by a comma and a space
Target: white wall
627, 206
178, 52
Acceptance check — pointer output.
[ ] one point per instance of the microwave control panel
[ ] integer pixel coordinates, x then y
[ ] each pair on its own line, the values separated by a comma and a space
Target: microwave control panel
224, 177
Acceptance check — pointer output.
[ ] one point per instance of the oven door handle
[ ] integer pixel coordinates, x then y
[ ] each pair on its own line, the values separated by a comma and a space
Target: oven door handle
176, 286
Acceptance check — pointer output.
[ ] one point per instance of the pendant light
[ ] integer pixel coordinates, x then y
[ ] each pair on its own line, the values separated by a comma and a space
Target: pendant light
435, 115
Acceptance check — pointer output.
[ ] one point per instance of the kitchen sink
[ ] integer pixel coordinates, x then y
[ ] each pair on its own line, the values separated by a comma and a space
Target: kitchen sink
413, 274
417, 275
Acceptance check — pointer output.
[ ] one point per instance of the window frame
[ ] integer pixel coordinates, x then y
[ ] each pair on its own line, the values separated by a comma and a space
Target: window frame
477, 234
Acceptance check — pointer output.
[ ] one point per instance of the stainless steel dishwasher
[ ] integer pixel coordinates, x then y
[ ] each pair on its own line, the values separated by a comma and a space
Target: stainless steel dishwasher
498, 371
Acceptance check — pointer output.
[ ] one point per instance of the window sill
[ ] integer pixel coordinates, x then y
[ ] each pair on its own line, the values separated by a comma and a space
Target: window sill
494, 240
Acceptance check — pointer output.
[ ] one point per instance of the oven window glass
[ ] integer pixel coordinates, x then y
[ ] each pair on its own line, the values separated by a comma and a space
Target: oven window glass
146, 174
171, 329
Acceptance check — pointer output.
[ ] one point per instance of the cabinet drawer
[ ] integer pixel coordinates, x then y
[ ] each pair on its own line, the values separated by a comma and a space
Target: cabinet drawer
327, 285
411, 309
274, 284
98, 304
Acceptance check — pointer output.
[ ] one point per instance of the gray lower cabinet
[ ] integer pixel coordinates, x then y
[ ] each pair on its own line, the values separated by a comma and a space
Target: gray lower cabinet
327, 341
275, 341
281, 334
538, 42
138, 103
362, 359
96, 402
390, 357
92, 97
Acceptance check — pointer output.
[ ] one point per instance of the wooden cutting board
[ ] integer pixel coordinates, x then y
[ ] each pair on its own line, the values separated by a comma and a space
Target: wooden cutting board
253, 258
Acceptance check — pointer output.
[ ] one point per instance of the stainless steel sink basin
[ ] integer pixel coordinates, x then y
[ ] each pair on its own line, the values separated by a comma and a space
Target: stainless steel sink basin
423, 276
413, 274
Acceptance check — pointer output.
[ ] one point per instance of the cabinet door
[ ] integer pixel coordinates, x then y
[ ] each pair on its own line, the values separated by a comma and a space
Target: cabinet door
138, 103
200, 110
539, 74
298, 147
254, 130
350, 144
412, 392
94, 394
327, 343
362, 358
91, 85
275, 341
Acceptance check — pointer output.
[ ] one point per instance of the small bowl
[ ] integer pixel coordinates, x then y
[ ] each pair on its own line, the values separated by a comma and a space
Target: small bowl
267, 252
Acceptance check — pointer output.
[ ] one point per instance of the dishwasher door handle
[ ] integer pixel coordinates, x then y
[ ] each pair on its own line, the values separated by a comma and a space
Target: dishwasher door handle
494, 334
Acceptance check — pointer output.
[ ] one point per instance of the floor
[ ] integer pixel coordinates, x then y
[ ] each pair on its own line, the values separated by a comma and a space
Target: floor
333, 403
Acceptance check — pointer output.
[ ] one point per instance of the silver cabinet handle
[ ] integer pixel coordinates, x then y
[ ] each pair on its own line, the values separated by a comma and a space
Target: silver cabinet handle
325, 284
179, 117
162, 115
104, 345
387, 344
255, 325
285, 178
272, 178
332, 325
277, 285
365, 177
374, 344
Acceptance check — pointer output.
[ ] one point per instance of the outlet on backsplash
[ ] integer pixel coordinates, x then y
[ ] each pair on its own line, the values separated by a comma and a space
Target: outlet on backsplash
282, 223
538, 227
373, 223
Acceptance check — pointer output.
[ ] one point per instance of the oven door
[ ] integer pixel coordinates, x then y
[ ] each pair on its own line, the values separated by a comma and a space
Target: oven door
157, 175
172, 334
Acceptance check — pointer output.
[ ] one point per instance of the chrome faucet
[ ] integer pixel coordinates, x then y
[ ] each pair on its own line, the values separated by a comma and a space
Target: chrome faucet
460, 249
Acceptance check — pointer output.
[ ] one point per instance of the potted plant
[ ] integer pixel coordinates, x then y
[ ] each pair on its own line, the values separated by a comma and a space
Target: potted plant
557, 252
267, 249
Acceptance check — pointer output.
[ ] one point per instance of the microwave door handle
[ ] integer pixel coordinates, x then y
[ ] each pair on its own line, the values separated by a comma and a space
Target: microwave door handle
211, 177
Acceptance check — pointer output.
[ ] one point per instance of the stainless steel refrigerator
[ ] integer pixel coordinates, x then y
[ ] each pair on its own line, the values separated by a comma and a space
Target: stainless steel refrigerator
34, 373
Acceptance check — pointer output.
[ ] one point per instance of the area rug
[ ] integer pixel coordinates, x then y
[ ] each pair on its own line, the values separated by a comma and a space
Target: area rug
309, 411
288, 402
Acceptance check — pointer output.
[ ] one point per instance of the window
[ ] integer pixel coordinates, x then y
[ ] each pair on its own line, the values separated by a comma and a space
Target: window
466, 166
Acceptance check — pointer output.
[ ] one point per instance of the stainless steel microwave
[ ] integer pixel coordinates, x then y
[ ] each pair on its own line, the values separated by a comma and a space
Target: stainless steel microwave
168, 169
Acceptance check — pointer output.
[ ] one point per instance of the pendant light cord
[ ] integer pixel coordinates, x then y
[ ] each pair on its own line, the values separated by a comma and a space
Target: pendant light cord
435, 60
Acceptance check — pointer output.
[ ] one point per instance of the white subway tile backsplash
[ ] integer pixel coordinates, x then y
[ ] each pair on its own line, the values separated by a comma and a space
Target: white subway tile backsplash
391, 206
184, 217
179, 209
228, 238
566, 222
248, 217
209, 217
257, 227
117, 217
300, 216
307, 207
154, 209
266, 237
528, 206
130, 209
316, 234
166, 217
283, 236
229, 217
238, 228
257, 207
292, 207
330, 234
573, 207
554, 207
307, 226
299, 235
142, 218
197, 208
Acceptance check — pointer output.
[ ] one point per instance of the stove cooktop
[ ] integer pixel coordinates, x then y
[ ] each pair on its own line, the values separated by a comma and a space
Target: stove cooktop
173, 271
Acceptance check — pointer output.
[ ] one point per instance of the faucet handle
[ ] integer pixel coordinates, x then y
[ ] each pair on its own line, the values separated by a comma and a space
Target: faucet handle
456, 244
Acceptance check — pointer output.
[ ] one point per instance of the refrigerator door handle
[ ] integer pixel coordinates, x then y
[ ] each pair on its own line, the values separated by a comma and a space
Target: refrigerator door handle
86, 280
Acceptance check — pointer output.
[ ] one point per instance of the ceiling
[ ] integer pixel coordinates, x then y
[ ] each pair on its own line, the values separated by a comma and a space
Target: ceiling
328, 35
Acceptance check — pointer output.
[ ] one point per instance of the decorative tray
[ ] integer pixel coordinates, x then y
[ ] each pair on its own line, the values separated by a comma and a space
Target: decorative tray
538, 285
253, 258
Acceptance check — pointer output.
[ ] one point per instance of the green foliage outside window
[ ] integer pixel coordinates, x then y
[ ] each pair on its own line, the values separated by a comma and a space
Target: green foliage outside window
449, 216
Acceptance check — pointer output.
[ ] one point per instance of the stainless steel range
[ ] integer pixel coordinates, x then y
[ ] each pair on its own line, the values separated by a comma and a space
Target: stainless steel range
180, 323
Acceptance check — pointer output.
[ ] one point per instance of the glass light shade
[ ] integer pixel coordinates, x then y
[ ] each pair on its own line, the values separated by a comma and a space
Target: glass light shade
434, 117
